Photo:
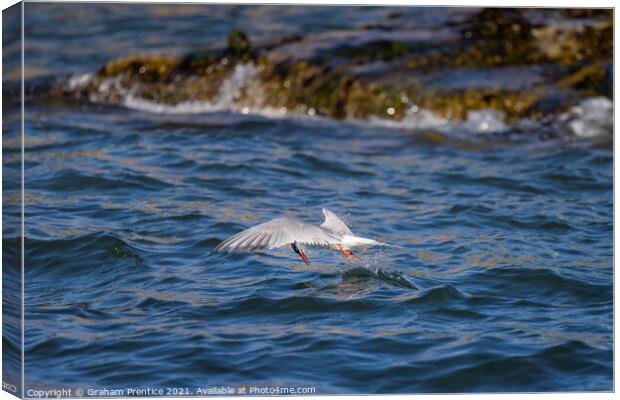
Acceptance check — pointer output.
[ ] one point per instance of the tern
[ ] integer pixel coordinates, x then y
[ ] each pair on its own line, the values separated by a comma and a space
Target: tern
279, 232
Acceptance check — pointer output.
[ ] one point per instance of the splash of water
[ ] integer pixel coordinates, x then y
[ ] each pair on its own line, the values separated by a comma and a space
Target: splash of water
372, 267
592, 117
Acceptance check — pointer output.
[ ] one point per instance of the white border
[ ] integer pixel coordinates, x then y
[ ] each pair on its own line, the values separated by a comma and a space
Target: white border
465, 3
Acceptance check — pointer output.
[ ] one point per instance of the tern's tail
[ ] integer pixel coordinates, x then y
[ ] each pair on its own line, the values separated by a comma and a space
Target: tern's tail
388, 245
355, 241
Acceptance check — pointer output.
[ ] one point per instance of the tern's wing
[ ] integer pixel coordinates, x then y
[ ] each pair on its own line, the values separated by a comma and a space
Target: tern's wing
276, 233
334, 225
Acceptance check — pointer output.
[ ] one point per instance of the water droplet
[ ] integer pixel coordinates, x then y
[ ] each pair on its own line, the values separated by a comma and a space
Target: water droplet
245, 110
224, 61
414, 108
311, 111
391, 111
142, 70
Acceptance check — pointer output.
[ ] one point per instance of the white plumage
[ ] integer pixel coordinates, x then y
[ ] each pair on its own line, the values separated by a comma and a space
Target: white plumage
277, 233
332, 233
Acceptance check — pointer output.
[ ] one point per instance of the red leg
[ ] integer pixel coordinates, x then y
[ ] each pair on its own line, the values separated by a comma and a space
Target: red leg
301, 253
304, 257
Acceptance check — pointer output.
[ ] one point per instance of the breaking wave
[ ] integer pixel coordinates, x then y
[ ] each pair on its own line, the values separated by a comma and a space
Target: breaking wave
241, 92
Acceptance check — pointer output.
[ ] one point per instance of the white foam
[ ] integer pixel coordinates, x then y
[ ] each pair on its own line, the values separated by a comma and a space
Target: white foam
79, 81
229, 92
418, 119
478, 122
186, 107
485, 121
592, 117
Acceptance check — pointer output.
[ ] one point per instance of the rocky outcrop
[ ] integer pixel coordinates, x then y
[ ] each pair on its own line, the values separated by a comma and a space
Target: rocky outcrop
510, 60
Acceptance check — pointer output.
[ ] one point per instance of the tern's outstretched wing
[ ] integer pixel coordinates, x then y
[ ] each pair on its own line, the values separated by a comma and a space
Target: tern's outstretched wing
334, 225
276, 233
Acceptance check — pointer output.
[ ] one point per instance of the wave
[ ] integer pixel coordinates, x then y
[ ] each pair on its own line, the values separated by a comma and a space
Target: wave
295, 305
227, 98
308, 162
438, 295
567, 366
241, 92
71, 180
591, 118
80, 256
525, 283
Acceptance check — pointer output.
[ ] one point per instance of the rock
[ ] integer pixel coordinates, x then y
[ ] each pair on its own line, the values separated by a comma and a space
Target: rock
519, 64
239, 45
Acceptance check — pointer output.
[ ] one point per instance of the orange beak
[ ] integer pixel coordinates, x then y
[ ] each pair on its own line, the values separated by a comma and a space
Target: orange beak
346, 252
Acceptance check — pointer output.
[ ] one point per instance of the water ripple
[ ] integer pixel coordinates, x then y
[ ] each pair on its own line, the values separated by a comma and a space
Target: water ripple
503, 281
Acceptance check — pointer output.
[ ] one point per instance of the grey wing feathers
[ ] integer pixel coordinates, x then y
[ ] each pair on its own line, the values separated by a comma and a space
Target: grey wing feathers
334, 225
276, 233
